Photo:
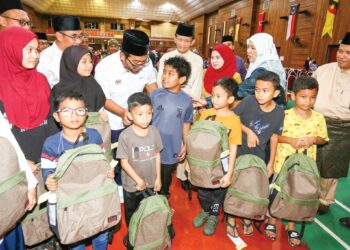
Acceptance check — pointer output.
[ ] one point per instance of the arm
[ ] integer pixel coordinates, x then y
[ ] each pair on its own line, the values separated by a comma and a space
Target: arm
185, 129
158, 183
252, 138
273, 149
227, 178
116, 109
140, 183
150, 87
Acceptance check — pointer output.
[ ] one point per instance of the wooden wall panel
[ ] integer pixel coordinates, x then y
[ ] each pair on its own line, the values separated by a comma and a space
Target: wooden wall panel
199, 24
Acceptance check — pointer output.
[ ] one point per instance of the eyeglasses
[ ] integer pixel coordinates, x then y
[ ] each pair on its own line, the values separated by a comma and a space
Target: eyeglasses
21, 22
68, 111
138, 64
74, 36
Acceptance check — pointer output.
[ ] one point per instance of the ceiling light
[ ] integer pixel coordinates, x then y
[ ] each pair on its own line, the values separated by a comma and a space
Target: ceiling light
136, 4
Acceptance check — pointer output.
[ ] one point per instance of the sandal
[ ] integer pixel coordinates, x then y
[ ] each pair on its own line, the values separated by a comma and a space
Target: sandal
246, 226
293, 235
233, 227
271, 228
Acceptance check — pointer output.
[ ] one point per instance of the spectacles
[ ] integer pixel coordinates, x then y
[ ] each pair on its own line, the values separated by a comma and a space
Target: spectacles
74, 36
21, 22
138, 64
68, 111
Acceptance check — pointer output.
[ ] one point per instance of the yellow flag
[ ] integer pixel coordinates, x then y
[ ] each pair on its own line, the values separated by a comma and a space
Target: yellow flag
328, 25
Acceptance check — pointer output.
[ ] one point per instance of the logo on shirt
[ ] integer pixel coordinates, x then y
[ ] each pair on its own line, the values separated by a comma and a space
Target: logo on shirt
143, 153
179, 111
258, 127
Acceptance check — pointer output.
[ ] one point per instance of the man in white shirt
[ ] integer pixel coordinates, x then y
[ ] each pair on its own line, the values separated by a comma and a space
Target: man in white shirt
13, 14
68, 32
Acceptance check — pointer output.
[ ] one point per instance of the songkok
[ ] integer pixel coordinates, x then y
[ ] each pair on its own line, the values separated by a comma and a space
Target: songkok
185, 30
62, 23
227, 38
6, 5
346, 39
41, 35
135, 42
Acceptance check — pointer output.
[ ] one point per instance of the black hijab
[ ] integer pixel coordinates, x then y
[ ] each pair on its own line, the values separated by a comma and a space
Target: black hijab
70, 80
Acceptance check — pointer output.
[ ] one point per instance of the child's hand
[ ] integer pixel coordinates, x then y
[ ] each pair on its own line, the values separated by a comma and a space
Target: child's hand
51, 183
141, 185
269, 169
226, 180
110, 174
187, 167
31, 195
157, 185
252, 139
307, 141
104, 115
296, 143
182, 153
34, 168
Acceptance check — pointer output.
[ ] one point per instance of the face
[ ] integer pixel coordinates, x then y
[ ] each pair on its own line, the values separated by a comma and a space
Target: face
183, 43
30, 54
220, 98
265, 92
71, 114
305, 99
16, 18
113, 48
85, 42
134, 63
43, 44
229, 44
171, 79
68, 38
85, 65
343, 56
141, 116
251, 52
216, 60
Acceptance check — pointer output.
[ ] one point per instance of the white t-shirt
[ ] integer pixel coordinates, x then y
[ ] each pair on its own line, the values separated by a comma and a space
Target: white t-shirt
119, 83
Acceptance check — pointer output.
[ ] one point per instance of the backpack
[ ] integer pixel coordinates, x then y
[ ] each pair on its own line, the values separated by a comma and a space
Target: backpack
248, 194
13, 188
295, 194
206, 142
150, 226
86, 202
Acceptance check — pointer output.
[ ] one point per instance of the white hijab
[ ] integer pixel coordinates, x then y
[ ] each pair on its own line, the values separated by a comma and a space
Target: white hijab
267, 57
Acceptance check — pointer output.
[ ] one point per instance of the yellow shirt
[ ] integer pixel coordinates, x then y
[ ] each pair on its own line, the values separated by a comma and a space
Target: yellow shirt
296, 127
232, 123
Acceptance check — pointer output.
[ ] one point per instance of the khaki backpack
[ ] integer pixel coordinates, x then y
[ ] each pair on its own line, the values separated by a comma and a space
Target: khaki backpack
13, 188
248, 194
296, 191
86, 202
205, 143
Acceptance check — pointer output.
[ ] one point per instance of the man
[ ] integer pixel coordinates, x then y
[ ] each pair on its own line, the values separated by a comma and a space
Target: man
228, 40
333, 101
13, 14
43, 43
112, 46
68, 32
122, 74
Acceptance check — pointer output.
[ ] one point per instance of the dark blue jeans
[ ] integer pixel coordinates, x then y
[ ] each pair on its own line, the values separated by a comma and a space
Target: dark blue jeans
118, 170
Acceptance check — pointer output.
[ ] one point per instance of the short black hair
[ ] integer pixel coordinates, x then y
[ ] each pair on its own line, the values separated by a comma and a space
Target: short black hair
229, 85
181, 65
138, 99
305, 82
68, 95
270, 76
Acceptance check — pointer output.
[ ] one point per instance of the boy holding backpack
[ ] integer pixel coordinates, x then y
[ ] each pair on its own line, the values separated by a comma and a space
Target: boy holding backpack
303, 129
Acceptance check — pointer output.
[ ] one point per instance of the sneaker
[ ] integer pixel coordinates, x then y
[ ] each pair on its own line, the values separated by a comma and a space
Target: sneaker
210, 226
200, 219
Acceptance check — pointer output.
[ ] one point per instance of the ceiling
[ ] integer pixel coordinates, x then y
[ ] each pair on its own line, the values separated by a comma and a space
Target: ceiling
147, 10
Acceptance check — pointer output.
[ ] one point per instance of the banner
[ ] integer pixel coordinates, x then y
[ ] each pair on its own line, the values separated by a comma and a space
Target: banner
261, 19
331, 11
292, 20
238, 24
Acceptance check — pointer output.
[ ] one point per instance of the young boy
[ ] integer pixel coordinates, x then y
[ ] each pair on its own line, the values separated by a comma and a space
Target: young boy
211, 200
262, 121
303, 129
173, 115
139, 150
71, 113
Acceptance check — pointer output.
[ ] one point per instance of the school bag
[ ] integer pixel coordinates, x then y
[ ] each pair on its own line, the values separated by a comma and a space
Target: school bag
248, 194
86, 202
150, 226
206, 141
296, 191
13, 188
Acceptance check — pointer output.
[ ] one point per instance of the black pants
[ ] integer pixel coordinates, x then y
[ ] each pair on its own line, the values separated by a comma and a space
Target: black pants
211, 200
131, 203
167, 171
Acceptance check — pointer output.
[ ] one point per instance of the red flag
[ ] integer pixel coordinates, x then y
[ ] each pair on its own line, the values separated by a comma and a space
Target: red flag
261, 19
291, 21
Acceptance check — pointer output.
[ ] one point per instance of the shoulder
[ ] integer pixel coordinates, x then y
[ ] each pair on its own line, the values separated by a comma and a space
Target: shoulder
278, 111
327, 66
317, 115
126, 133
51, 142
153, 129
156, 92
107, 62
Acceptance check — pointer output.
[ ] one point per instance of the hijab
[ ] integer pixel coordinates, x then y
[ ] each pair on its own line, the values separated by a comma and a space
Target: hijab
228, 69
267, 57
25, 93
70, 80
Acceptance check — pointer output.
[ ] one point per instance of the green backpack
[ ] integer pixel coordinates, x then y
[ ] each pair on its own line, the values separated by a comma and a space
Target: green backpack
296, 191
248, 194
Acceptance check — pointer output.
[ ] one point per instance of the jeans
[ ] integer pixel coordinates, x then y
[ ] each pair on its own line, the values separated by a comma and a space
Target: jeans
99, 242
118, 169
13, 240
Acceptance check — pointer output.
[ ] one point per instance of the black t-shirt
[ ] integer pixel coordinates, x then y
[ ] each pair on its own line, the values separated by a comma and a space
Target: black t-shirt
264, 124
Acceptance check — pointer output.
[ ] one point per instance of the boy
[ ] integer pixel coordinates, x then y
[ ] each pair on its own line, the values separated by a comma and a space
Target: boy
211, 200
173, 115
139, 150
303, 129
262, 121
71, 113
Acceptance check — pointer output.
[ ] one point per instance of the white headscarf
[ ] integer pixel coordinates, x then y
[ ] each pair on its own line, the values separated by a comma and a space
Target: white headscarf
267, 57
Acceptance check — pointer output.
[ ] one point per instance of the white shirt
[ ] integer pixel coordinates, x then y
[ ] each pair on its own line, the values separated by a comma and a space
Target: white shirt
49, 64
5, 131
119, 83
194, 84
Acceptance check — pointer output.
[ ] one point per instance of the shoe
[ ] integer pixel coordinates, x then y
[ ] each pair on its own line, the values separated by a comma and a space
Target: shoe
186, 185
210, 226
246, 226
322, 209
270, 231
345, 221
293, 235
200, 219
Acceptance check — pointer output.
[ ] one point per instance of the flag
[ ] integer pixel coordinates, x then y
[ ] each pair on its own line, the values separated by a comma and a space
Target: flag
238, 24
331, 11
261, 19
292, 20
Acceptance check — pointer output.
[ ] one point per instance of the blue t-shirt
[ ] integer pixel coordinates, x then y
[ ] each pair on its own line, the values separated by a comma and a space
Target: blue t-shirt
56, 145
170, 112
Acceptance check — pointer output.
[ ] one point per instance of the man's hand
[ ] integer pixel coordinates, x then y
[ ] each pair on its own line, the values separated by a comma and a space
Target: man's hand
125, 118
199, 103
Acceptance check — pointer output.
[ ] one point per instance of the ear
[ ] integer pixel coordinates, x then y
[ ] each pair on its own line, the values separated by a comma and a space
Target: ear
292, 96
56, 116
276, 93
2, 21
231, 99
129, 116
182, 79
59, 36
193, 42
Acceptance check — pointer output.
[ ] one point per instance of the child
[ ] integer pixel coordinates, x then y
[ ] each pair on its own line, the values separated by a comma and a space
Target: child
262, 121
139, 150
303, 129
71, 113
173, 115
223, 95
